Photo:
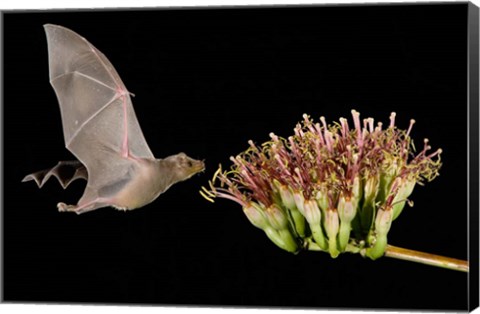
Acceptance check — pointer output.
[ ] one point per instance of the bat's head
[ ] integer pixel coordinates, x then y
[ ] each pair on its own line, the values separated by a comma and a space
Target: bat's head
184, 167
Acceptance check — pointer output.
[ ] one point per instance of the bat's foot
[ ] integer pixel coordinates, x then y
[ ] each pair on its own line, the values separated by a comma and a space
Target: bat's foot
82, 206
62, 207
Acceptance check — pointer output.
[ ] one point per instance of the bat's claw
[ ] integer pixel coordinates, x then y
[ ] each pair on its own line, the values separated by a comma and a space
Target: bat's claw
62, 207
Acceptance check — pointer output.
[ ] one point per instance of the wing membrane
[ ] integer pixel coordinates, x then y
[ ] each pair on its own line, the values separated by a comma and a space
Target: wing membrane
86, 84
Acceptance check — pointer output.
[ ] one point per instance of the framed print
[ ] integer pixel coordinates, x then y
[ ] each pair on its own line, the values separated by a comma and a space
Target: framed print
291, 166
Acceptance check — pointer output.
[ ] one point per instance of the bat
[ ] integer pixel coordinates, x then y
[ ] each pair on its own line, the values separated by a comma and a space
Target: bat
100, 128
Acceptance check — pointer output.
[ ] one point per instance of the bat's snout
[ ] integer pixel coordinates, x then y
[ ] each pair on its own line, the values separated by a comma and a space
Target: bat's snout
198, 166
186, 166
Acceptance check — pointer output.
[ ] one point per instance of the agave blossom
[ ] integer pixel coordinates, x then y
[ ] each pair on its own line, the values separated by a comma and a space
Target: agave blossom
328, 187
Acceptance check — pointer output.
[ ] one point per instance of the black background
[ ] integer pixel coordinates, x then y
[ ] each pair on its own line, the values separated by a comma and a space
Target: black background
206, 81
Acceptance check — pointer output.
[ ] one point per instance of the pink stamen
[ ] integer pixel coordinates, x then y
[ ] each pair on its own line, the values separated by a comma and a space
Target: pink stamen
412, 122
325, 128
230, 197
370, 124
392, 119
344, 129
282, 164
318, 128
439, 151
300, 178
273, 137
329, 140
356, 121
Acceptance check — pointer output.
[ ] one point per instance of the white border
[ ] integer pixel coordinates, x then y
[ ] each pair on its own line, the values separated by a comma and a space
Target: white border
55, 4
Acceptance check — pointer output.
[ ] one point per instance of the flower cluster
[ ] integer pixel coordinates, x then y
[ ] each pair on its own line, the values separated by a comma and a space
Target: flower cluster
328, 187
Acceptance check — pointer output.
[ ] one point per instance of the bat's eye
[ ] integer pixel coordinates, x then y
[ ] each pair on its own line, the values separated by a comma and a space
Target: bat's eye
189, 163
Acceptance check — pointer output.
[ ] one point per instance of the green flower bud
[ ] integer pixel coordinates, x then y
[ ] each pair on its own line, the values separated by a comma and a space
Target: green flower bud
288, 202
386, 180
282, 239
311, 212
346, 213
331, 228
299, 200
406, 188
299, 221
371, 188
322, 200
277, 229
378, 248
313, 216
291, 244
367, 211
276, 217
285, 195
346, 209
357, 191
383, 221
255, 215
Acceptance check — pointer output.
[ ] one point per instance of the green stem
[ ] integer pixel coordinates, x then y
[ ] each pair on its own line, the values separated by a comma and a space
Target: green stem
344, 235
273, 235
426, 258
318, 236
332, 247
290, 243
378, 248
299, 222
311, 245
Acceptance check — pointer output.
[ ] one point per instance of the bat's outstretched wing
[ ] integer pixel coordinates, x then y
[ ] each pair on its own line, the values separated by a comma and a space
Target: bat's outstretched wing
101, 130
99, 123
65, 171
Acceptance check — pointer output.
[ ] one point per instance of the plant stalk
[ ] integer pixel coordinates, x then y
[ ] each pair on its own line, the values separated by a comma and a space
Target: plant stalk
426, 258
407, 255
